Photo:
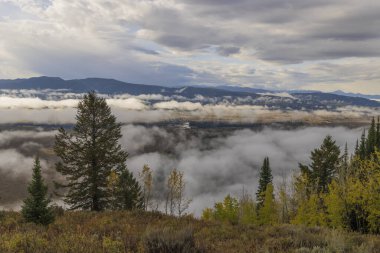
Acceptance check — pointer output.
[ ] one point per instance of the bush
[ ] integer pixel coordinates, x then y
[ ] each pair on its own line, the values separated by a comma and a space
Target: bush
57, 210
169, 240
313, 250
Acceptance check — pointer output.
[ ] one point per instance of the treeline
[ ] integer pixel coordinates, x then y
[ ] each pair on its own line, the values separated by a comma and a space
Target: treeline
93, 165
336, 190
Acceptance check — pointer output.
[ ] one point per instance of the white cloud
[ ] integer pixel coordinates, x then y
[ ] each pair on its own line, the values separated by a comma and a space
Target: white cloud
174, 105
133, 109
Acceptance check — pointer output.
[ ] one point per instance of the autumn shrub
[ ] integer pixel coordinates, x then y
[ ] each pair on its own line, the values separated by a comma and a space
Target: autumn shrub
313, 250
145, 232
169, 240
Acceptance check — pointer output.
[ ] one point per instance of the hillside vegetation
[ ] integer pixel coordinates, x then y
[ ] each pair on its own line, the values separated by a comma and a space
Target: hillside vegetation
155, 232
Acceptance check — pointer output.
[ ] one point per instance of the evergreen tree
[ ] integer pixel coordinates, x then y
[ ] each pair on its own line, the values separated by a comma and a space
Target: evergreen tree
89, 153
323, 168
357, 148
344, 166
362, 147
265, 179
378, 133
36, 206
371, 139
129, 194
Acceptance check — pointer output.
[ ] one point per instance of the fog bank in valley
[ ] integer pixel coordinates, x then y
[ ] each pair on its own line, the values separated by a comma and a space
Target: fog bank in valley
215, 163
151, 109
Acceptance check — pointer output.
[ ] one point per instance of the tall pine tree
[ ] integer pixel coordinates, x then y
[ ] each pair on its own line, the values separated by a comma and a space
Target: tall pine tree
324, 165
36, 206
344, 166
378, 133
371, 139
129, 195
363, 146
265, 179
89, 153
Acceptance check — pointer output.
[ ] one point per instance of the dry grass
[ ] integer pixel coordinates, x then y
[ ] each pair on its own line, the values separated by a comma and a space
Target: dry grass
154, 232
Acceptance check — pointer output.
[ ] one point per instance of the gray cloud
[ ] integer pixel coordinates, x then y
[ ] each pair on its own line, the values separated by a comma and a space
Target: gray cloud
17, 152
227, 51
187, 42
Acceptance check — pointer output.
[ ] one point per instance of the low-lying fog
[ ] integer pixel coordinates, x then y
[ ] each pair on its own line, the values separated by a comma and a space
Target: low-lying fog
215, 161
156, 108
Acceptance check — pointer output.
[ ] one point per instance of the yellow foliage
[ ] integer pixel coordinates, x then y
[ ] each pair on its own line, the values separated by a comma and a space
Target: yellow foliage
335, 205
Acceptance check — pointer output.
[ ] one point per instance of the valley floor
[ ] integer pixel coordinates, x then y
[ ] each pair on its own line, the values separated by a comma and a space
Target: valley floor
154, 232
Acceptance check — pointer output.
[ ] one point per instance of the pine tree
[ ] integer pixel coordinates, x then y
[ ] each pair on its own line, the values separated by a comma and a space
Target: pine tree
371, 139
357, 148
378, 132
324, 165
265, 179
344, 166
362, 146
129, 195
89, 153
36, 206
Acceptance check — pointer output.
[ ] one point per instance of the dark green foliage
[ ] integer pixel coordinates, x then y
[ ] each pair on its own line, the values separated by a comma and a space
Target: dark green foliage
89, 154
344, 166
369, 142
378, 132
363, 147
36, 206
265, 179
357, 147
129, 193
324, 164
371, 139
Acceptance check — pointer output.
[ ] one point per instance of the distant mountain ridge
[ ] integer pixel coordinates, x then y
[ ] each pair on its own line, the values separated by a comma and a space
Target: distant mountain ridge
229, 94
111, 86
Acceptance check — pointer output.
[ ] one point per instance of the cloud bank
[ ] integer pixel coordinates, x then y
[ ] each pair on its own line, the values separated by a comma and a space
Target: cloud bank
157, 108
215, 163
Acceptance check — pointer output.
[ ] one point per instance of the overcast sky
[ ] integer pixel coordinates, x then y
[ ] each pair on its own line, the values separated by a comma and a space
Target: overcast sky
281, 44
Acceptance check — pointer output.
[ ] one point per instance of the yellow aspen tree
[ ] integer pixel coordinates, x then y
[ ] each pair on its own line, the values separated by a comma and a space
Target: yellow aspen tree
146, 179
268, 212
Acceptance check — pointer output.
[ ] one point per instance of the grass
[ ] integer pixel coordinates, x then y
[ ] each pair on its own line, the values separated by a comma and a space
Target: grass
157, 233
